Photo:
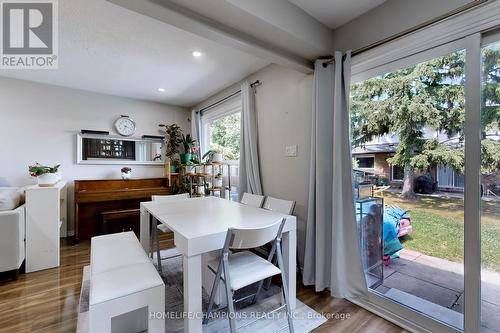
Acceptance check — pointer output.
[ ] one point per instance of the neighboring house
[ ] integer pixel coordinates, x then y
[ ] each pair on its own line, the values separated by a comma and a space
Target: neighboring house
372, 157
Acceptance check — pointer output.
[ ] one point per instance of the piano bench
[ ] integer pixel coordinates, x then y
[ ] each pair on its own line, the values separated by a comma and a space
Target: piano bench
117, 214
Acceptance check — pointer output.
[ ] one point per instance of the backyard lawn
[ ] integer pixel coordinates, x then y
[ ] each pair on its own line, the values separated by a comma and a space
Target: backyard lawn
438, 228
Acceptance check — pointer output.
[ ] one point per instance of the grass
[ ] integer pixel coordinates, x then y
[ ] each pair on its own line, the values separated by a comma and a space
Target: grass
438, 228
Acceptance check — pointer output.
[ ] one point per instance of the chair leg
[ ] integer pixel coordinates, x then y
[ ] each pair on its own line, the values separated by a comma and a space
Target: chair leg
285, 288
215, 288
257, 292
269, 280
229, 296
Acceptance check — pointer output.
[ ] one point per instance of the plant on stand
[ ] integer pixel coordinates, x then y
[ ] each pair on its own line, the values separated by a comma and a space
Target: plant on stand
213, 156
218, 180
46, 176
188, 142
190, 167
172, 139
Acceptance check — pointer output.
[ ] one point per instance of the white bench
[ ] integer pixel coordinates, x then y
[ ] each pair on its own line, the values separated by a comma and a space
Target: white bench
125, 288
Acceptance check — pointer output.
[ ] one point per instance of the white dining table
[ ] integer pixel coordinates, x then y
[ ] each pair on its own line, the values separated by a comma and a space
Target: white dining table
200, 226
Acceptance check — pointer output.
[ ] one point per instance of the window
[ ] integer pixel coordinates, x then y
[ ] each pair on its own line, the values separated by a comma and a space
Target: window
397, 172
221, 132
223, 135
365, 162
447, 177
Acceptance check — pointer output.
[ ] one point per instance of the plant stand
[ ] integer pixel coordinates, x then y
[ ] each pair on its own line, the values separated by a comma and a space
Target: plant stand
200, 183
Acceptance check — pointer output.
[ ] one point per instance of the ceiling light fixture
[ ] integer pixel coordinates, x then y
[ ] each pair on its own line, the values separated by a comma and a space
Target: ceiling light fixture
197, 54
161, 89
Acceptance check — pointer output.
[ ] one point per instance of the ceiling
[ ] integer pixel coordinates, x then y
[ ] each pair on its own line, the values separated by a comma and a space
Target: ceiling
108, 49
334, 13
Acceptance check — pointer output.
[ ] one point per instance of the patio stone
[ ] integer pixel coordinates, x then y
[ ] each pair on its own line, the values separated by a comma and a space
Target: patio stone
490, 315
431, 309
423, 289
487, 330
389, 270
409, 254
440, 282
490, 288
442, 264
382, 289
459, 305
440, 276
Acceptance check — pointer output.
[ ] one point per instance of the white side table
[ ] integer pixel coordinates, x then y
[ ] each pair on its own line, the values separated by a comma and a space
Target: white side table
45, 213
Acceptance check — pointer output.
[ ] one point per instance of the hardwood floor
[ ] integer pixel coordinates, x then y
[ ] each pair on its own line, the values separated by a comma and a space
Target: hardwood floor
47, 301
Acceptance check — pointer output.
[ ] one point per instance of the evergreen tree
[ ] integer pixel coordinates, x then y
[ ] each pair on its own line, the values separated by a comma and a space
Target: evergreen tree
423, 97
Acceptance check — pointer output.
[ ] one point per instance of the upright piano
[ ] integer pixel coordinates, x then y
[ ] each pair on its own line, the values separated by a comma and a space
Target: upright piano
112, 205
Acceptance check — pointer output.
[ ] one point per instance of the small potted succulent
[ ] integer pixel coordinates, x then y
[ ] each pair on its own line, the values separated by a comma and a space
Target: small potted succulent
218, 180
126, 173
45, 175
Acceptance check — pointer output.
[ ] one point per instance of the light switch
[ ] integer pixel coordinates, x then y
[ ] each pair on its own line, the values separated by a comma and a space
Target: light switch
291, 151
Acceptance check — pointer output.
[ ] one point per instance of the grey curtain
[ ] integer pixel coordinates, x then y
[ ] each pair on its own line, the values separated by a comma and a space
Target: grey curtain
332, 256
195, 125
249, 178
196, 129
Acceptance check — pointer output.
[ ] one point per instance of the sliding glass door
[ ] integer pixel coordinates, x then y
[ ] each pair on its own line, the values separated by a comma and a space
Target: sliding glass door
490, 185
435, 117
412, 118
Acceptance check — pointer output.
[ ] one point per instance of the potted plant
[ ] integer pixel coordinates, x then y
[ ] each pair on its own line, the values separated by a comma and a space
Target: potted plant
200, 168
46, 176
173, 139
190, 167
188, 143
126, 173
218, 180
213, 156
207, 188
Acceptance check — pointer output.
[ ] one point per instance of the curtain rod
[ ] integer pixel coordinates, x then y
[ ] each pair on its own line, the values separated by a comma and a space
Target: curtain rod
454, 12
254, 84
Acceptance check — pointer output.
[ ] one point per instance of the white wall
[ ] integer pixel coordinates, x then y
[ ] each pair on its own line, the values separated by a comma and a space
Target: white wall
284, 106
390, 18
38, 123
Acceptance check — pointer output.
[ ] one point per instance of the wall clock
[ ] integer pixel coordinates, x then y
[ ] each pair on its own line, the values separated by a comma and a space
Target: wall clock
125, 126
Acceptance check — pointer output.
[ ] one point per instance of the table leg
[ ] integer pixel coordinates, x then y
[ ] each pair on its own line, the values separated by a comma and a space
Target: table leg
192, 294
289, 242
144, 229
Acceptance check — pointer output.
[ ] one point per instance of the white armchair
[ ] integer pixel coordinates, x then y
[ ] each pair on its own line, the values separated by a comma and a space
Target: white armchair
12, 235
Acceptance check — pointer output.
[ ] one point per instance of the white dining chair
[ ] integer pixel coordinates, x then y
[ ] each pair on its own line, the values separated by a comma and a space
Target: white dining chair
284, 207
279, 205
243, 268
253, 200
155, 227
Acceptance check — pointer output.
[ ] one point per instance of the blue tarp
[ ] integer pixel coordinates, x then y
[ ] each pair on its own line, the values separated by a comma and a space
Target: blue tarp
392, 216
